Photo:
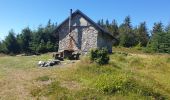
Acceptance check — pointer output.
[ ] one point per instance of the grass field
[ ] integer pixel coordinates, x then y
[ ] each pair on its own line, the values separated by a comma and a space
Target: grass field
129, 75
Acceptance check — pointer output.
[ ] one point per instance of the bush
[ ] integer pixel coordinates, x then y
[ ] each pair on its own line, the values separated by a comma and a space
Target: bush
109, 83
100, 56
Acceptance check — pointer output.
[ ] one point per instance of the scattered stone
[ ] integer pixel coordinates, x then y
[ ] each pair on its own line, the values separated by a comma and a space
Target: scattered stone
48, 63
41, 63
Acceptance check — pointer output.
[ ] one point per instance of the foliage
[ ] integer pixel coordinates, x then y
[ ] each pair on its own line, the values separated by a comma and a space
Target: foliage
10, 44
100, 56
24, 39
42, 39
109, 83
138, 37
160, 40
30, 41
142, 34
127, 37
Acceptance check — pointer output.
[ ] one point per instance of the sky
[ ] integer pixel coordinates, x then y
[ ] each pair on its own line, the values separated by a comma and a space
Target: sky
18, 14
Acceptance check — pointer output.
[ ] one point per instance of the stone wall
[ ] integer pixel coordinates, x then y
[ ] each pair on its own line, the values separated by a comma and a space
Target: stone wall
83, 33
84, 36
89, 39
104, 40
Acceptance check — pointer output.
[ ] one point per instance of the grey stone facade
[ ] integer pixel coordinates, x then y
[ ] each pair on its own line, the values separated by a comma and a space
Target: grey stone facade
85, 34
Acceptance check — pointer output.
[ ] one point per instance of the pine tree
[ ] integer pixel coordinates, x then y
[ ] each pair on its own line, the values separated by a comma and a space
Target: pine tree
3, 48
160, 40
99, 22
49, 46
11, 43
24, 39
102, 23
107, 23
167, 29
42, 47
114, 29
127, 37
157, 28
142, 34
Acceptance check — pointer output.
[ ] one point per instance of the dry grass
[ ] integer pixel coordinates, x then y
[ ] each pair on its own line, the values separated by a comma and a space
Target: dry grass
22, 79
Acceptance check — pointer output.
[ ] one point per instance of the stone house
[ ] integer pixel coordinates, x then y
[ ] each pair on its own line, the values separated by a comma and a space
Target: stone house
79, 33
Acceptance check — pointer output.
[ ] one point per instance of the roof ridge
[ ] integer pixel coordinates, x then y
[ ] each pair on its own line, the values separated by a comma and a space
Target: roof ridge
87, 18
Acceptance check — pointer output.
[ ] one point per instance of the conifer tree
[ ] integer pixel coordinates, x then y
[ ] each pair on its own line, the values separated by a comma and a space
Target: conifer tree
114, 29
127, 37
24, 39
11, 43
160, 40
142, 34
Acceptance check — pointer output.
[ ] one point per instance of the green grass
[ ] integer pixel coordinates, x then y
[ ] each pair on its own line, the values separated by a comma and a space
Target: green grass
128, 76
43, 78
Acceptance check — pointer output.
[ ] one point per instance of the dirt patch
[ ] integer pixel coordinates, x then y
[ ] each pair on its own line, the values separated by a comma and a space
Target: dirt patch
16, 84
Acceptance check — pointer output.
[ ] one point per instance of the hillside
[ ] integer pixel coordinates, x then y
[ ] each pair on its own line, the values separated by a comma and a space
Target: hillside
128, 75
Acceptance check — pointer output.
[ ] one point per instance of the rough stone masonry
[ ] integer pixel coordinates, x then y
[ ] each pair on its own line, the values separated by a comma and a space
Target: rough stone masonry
82, 34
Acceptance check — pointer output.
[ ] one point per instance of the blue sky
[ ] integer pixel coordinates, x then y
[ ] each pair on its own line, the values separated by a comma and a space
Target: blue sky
17, 14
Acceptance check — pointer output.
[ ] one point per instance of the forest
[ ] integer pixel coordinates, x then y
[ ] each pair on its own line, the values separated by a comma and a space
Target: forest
43, 40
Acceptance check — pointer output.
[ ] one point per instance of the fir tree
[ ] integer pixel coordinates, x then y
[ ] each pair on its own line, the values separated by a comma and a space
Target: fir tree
11, 43
127, 37
24, 39
142, 34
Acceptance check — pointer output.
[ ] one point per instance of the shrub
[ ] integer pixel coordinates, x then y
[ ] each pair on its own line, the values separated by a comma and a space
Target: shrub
109, 83
100, 56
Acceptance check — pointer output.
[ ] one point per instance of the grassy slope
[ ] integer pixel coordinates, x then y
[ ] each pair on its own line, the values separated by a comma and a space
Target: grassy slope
20, 78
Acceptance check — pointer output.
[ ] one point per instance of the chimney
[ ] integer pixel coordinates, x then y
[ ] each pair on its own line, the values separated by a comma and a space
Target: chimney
70, 20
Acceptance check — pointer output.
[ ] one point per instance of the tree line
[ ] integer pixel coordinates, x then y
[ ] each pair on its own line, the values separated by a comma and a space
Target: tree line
43, 40
156, 40
29, 41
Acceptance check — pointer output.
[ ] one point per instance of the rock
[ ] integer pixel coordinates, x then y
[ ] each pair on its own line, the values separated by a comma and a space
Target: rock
41, 63
56, 61
48, 63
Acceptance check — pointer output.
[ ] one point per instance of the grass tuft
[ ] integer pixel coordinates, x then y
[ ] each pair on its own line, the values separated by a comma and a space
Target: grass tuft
43, 78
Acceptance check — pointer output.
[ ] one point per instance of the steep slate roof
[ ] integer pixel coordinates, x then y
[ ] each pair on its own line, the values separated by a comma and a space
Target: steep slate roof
88, 19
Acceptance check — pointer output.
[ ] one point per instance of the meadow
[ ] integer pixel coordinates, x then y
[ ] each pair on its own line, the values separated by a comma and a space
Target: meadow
130, 75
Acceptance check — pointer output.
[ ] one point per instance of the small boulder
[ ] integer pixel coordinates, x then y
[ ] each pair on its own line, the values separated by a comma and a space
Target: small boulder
48, 63
41, 63
56, 62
